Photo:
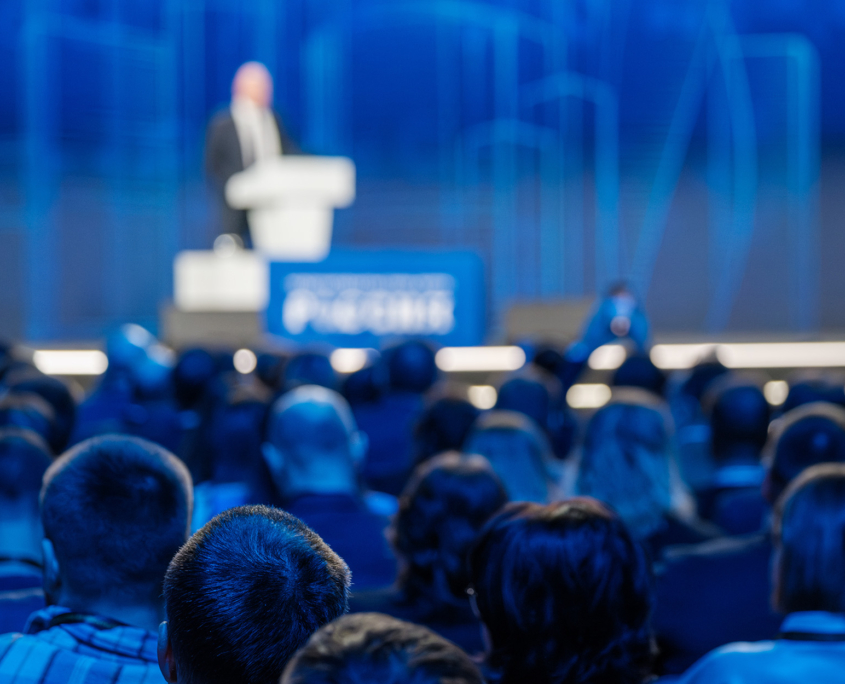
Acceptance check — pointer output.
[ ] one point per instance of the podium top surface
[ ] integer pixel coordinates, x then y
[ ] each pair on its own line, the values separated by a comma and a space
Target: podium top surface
294, 180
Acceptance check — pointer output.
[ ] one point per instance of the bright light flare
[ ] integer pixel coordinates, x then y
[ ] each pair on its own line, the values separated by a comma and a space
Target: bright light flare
245, 361
608, 357
482, 396
70, 361
588, 396
351, 360
776, 392
468, 359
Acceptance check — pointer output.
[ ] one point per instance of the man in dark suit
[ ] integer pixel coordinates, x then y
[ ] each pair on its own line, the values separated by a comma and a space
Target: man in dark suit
719, 591
247, 131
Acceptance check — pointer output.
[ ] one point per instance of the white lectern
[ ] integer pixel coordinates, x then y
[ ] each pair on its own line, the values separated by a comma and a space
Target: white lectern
290, 203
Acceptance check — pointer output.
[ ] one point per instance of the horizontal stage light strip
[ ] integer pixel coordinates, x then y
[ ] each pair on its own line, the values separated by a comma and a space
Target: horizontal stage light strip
70, 361
467, 359
352, 360
588, 396
752, 355
732, 355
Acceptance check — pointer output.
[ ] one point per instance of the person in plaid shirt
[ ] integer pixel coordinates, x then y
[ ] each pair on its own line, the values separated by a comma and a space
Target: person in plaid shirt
114, 510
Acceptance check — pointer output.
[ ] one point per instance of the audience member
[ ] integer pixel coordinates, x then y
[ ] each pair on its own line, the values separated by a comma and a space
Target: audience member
389, 421
443, 426
564, 593
444, 506
376, 648
314, 451
24, 458
27, 411
718, 592
60, 398
739, 425
114, 511
519, 453
809, 567
626, 462
638, 370
243, 594
310, 368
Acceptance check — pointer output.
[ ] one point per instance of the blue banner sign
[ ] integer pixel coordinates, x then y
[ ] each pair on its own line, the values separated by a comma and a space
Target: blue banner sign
362, 298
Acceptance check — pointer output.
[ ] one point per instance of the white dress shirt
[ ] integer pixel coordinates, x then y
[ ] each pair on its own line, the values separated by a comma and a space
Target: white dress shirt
258, 133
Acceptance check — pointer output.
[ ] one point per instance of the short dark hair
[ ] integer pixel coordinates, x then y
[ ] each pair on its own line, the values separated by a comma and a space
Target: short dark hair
411, 366
443, 426
809, 528
739, 416
24, 458
638, 370
246, 591
441, 512
565, 593
58, 395
371, 647
27, 411
116, 509
806, 436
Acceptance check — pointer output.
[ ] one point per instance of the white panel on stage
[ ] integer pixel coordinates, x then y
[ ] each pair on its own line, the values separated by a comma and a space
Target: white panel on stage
290, 202
211, 281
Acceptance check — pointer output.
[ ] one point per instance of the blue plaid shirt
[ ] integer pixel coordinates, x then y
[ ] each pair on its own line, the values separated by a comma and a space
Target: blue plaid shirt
78, 653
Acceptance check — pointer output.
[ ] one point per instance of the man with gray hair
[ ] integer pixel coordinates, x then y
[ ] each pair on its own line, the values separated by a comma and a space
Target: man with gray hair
314, 452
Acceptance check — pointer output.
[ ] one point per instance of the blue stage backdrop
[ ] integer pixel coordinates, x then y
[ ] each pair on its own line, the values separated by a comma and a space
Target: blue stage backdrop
693, 147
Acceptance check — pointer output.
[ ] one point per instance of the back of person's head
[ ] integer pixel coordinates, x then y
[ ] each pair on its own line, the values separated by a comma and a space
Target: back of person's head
443, 426
244, 593
24, 458
27, 411
270, 370
809, 529
525, 395
808, 435
548, 358
565, 593
638, 370
411, 367
625, 462
235, 440
362, 386
518, 451
739, 419
441, 511
811, 388
371, 647
115, 509
194, 372
701, 377
58, 395
310, 368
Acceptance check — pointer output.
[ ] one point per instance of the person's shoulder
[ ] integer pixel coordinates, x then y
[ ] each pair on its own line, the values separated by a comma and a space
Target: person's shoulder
735, 663
220, 119
715, 549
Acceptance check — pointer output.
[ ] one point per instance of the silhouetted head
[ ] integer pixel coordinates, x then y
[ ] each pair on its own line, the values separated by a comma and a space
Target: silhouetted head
527, 396
446, 502
310, 368
804, 437
625, 462
565, 594
443, 426
28, 411
518, 451
700, 378
270, 369
548, 358
61, 400
811, 390
115, 509
370, 647
313, 444
253, 82
809, 528
362, 387
411, 367
24, 458
739, 421
195, 370
638, 370
243, 594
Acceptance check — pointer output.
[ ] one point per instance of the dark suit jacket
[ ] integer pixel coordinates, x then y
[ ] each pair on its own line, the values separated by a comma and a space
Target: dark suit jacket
223, 159
712, 594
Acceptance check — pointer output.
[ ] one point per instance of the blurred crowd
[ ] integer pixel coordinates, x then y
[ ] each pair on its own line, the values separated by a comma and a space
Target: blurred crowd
186, 521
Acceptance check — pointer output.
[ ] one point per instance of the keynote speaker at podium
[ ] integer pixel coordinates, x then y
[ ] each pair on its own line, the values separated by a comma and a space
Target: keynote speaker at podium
248, 131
